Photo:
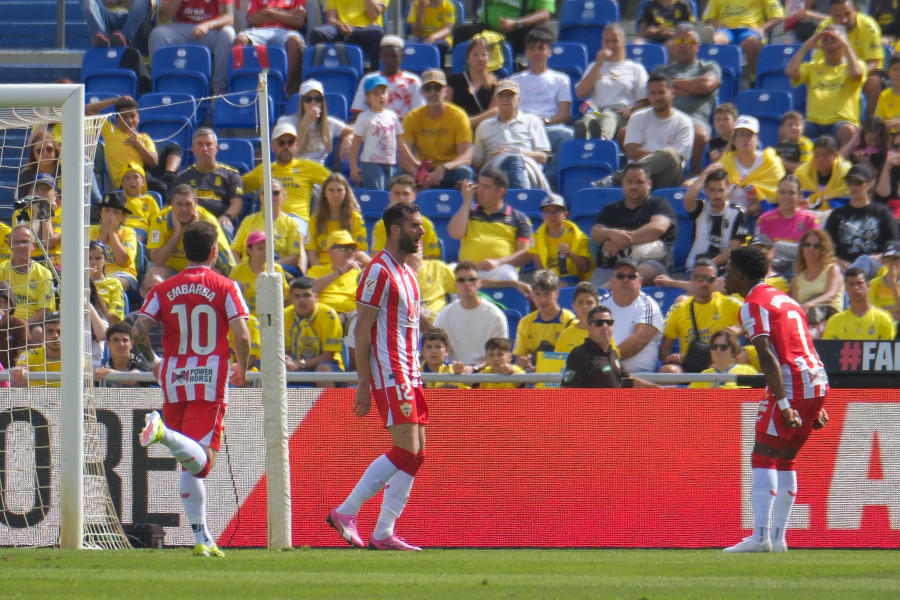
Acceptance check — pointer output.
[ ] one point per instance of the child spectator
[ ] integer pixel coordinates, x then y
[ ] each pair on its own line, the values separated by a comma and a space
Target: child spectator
888, 107
793, 147
823, 176
869, 145
539, 330
119, 240
559, 245
108, 288
312, 332
499, 359
435, 349
336, 209
336, 281
432, 23
378, 131
724, 117
141, 208
585, 299
246, 272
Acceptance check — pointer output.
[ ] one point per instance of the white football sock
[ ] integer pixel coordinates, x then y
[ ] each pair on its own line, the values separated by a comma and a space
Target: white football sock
784, 502
379, 472
765, 485
396, 494
186, 451
193, 497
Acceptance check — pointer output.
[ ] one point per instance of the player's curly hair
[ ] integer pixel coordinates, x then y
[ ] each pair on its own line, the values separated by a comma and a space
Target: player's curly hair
750, 261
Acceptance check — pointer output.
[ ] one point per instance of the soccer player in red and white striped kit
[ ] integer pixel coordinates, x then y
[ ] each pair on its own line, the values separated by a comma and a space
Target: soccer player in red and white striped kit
796, 384
387, 359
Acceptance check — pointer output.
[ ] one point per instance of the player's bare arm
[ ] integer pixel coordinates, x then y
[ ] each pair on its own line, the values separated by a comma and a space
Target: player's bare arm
241, 335
365, 320
140, 336
772, 371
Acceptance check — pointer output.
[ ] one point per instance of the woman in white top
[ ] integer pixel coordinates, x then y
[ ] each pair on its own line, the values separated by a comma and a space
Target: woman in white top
314, 142
615, 85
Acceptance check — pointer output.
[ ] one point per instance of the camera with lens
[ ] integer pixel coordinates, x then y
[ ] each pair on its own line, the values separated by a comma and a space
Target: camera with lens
33, 207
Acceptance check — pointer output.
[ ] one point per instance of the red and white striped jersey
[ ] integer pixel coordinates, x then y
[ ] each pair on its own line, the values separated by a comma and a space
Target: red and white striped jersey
767, 311
196, 308
392, 288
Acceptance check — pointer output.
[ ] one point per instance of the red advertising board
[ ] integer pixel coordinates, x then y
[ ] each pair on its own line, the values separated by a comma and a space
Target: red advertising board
595, 468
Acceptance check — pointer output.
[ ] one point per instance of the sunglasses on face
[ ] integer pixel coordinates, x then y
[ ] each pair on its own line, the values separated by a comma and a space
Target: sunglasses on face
466, 279
309, 99
720, 347
432, 87
283, 142
814, 245
684, 42
704, 278
276, 192
602, 322
344, 248
628, 276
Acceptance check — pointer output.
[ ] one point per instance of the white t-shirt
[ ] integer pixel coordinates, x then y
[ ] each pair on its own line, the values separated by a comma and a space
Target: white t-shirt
643, 310
404, 92
652, 133
469, 329
379, 131
540, 94
314, 149
619, 84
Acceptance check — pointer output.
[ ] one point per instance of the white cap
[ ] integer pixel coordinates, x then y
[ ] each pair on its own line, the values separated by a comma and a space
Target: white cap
311, 85
747, 122
283, 129
392, 41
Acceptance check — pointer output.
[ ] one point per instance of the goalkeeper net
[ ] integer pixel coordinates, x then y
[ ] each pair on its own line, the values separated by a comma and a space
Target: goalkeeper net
53, 485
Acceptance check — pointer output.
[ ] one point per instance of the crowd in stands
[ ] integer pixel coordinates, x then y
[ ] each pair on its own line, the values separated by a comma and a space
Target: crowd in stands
693, 177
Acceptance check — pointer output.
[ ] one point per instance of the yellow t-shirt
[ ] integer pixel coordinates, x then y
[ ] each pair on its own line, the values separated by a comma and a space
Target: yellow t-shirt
110, 290
340, 293
880, 294
5, 230
297, 178
865, 37
255, 351
764, 177
570, 337
36, 361
721, 311
33, 290
430, 244
436, 280
546, 247
162, 230
129, 241
445, 368
437, 139
831, 96
888, 106
736, 369
144, 210
353, 12
54, 253
119, 151
288, 239
735, 14
245, 276
876, 324
317, 241
434, 18
516, 370
533, 330
307, 338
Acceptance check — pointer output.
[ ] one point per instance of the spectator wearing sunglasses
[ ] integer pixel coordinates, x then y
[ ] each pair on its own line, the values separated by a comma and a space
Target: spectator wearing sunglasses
316, 129
723, 353
595, 363
696, 317
288, 240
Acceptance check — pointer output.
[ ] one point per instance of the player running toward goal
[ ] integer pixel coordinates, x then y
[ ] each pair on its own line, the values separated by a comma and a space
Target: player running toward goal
387, 360
196, 308
795, 392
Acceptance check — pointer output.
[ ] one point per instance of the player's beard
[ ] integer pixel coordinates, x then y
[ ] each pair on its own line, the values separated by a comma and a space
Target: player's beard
408, 244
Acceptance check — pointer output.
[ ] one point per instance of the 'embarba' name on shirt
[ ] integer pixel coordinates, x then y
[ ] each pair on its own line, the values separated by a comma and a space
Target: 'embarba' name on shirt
191, 289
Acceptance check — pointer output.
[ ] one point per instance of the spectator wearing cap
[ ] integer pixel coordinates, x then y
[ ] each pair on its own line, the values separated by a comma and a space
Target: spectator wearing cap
861, 320
288, 241
378, 132
217, 186
359, 22
638, 322
316, 129
142, 207
336, 283
767, 247
432, 22
46, 358
755, 173
277, 23
404, 87
13, 333
118, 239
834, 82
513, 142
30, 282
884, 290
297, 176
246, 272
861, 229
559, 245
640, 226
439, 137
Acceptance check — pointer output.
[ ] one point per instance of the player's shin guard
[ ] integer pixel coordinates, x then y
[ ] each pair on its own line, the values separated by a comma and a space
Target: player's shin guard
190, 454
765, 486
784, 502
193, 498
379, 472
396, 495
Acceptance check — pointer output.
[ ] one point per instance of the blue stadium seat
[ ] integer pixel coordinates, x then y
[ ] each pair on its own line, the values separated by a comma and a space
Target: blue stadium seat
512, 322
419, 57
99, 97
583, 21
584, 161
335, 77
166, 130
246, 78
773, 58
100, 73
458, 64
167, 105
665, 297
528, 202
770, 103
731, 60
588, 202
685, 239
239, 112
372, 204
184, 68
571, 58
237, 153
650, 55
566, 296
334, 103
509, 297
440, 206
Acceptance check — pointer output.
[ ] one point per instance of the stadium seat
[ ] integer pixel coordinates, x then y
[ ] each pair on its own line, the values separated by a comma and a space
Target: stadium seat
584, 161
439, 204
338, 67
665, 297
458, 63
588, 202
239, 112
156, 105
731, 60
650, 55
512, 322
583, 21
237, 153
419, 57
166, 130
675, 196
509, 297
528, 202
571, 58
185, 68
335, 103
101, 74
773, 58
99, 97
372, 204
566, 296
771, 103
245, 78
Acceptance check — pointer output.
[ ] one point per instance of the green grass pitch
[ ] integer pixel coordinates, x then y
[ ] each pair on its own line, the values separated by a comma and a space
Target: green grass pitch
453, 574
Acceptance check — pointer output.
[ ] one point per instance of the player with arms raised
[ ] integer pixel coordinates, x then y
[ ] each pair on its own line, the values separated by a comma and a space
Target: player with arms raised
387, 360
197, 308
795, 392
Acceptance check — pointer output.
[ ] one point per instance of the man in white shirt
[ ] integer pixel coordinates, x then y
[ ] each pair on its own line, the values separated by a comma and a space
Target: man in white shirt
659, 137
513, 141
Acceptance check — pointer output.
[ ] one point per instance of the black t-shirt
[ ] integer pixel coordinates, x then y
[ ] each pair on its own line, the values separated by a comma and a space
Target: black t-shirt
618, 216
463, 98
588, 366
788, 151
858, 231
887, 14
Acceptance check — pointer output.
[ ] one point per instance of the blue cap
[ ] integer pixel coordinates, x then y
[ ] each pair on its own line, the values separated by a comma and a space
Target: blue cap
46, 179
374, 81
